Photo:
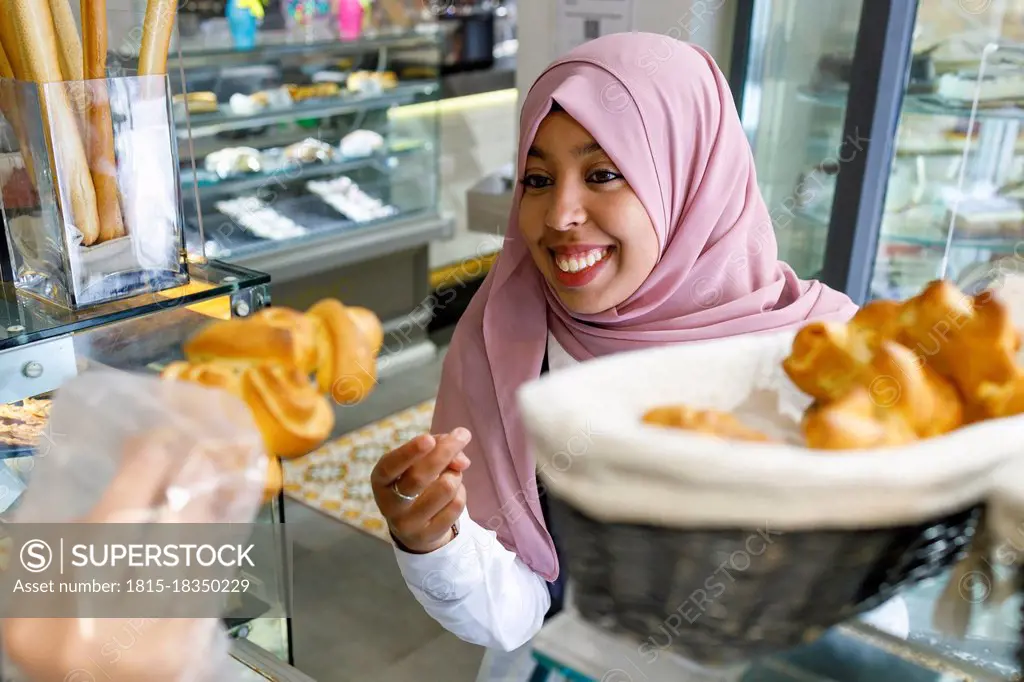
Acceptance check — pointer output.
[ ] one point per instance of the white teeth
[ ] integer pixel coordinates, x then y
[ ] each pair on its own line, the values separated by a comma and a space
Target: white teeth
580, 261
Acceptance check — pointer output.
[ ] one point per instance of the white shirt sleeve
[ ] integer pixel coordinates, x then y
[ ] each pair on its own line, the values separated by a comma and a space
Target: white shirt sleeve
478, 590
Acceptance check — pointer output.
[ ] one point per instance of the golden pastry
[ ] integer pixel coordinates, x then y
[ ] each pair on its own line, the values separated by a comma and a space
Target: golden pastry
346, 360
706, 422
274, 335
369, 324
275, 479
293, 417
855, 421
970, 339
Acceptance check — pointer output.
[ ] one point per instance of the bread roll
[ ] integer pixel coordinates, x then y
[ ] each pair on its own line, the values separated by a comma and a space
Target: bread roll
291, 414
346, 363
212, 375
969, 339
707, 422
276, 336
369, 324
34, 26
854, 422
99, 127
156, 36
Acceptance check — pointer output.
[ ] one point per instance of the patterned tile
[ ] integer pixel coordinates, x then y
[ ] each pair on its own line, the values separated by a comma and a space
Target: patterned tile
336, 478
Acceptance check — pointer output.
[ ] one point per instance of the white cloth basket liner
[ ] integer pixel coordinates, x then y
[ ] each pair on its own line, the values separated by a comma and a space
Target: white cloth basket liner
584, 425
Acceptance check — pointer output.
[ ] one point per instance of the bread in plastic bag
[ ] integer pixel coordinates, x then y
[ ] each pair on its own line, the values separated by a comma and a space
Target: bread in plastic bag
134, 449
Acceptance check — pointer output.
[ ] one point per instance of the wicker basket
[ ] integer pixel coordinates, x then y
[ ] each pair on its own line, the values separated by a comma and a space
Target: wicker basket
719, 597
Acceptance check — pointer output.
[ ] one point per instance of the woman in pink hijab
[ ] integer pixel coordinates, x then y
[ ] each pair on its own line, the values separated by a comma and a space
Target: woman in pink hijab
636, 222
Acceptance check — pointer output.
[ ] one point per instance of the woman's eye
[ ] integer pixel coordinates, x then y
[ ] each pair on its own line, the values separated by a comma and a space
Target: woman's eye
603, 176
536, 181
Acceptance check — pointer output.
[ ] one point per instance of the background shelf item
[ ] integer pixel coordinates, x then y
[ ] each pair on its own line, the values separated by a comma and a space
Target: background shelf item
225, 120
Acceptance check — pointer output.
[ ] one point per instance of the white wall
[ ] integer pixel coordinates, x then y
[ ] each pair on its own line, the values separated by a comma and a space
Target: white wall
707, 23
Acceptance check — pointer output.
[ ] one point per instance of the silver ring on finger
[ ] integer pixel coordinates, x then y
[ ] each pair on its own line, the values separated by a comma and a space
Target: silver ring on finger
401, 495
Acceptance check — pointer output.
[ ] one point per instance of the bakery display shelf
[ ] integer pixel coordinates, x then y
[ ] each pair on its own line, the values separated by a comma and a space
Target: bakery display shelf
225, 120
934, 240
25, 319
336, 248
240, 184
921, 105
272, 45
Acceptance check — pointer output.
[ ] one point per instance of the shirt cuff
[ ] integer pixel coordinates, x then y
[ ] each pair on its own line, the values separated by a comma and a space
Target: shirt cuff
450, 573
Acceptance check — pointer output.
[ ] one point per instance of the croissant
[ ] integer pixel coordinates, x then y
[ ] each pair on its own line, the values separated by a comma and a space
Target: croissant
709, 422
274, 335
209, 374
970, 339
346, 355
293, 417
854, 422
829, 359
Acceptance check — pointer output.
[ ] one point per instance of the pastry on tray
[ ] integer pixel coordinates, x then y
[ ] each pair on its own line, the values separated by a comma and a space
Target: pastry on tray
301, 93
22, 426
895, 373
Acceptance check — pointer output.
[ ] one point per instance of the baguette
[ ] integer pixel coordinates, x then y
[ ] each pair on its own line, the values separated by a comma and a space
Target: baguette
5, 64
156, 37
99, 129
12, 45
34, 27
9, 108
69, 42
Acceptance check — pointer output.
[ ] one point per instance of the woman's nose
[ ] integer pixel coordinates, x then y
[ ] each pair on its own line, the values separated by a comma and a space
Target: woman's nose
566, 210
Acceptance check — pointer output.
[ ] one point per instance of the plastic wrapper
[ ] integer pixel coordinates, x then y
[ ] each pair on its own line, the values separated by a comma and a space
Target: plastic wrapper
139, 451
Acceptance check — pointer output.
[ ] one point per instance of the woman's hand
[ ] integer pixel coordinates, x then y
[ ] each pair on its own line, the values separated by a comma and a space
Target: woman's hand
133, 649
418, 488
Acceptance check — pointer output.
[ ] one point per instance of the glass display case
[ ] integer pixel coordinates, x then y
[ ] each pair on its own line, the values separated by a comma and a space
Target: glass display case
42, 346
303, 147
887, 142
793, 104
864, 128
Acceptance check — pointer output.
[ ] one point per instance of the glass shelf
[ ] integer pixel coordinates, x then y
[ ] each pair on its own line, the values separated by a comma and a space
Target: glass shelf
214, 123
277, 44
918, 104
293, 173
25, 319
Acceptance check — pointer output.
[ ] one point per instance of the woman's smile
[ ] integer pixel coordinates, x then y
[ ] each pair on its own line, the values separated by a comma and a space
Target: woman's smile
578, 265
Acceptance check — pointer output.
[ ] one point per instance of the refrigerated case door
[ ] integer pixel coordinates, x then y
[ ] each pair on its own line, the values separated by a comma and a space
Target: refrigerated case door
955, 204
820, 101
793, 107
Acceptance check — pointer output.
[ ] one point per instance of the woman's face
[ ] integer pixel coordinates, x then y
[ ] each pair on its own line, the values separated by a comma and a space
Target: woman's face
587, 231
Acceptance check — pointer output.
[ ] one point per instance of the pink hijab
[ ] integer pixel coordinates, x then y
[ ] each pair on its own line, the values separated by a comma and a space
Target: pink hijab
663, 112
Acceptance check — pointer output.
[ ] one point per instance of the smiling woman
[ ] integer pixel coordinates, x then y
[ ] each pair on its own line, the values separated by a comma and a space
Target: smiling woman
586, 229
636, 222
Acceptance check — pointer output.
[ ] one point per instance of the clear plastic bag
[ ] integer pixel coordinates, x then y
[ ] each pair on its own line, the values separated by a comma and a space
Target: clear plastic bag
131, 449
